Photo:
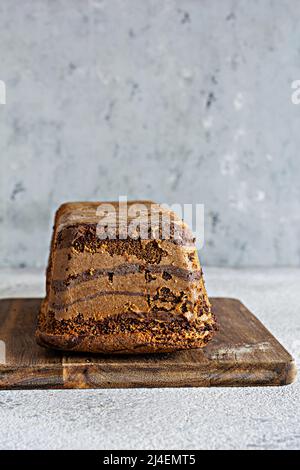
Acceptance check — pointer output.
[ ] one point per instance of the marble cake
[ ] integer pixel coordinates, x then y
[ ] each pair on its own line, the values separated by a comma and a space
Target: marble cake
123, 294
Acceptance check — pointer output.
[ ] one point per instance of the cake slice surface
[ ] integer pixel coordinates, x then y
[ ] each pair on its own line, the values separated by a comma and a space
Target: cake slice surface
123, 278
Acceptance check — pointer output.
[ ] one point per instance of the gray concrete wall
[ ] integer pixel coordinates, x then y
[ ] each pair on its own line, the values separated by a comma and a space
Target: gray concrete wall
178, 101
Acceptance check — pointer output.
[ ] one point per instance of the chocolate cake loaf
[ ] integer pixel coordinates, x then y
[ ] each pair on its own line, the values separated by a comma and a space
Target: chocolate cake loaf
123, 278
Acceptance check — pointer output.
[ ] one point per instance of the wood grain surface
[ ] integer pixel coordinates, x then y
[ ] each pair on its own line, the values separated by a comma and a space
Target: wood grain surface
243, 353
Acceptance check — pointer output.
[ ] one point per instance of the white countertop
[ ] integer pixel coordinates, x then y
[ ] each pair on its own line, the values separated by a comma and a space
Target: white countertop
216, 418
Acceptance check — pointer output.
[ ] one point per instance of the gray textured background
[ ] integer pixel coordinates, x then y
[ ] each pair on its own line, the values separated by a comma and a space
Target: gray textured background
177, 101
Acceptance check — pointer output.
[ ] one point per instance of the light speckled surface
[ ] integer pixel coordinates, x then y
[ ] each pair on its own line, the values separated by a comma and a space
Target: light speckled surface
182, 102
256, 418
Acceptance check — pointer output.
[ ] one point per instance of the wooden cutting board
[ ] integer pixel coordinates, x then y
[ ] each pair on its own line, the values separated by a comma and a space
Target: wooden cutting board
242, 353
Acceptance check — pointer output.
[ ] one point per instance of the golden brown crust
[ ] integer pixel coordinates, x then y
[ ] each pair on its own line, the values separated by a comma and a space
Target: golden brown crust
118, 343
